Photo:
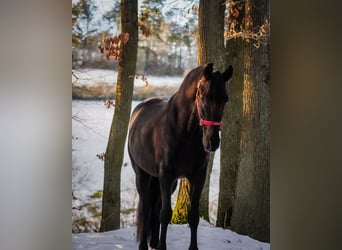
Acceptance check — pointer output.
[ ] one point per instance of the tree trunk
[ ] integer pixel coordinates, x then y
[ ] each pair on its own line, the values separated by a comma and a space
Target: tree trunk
210, 49
118, 132
231, 135
244, 179
210, 30
231, 131
204, 201
251, 205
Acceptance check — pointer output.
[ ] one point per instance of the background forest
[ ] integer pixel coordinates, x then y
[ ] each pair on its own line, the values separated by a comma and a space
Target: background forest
167, 45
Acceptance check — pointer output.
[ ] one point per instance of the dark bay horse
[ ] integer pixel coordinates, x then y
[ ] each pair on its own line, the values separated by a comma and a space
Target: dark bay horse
170, 140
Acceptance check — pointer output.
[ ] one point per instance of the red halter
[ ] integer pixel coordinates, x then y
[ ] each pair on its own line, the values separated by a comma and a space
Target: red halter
203, 122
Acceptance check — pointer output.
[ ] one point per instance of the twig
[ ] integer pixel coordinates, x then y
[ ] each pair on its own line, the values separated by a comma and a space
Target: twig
74, 75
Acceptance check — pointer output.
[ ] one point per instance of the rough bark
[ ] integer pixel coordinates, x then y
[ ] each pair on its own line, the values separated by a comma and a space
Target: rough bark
118, 132
245, 156
251, 205
210, 31
230, 135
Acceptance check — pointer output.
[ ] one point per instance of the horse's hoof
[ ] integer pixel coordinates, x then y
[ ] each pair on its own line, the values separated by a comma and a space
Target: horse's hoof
193, 248
143, 247
161, 248
153, 246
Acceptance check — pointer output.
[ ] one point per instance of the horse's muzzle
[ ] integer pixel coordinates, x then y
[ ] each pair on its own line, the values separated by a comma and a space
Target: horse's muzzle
212, 145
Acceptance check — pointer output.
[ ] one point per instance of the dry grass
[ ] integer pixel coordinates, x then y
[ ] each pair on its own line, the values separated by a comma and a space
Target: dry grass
102, 90
141, 93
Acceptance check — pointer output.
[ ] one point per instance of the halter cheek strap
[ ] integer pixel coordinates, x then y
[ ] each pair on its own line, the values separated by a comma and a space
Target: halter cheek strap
203, 122
210, 123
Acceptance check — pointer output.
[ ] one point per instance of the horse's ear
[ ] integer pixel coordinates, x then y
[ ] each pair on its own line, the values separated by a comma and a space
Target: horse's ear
208, 71
228, 73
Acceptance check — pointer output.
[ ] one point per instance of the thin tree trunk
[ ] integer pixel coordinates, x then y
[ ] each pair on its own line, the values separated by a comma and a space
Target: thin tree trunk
204, 201
118, 132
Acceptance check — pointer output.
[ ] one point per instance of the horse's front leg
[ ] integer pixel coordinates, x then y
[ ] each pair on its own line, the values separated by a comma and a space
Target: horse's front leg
166, 182
196, 186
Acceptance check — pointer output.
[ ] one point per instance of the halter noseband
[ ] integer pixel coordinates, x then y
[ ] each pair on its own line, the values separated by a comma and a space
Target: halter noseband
203, 122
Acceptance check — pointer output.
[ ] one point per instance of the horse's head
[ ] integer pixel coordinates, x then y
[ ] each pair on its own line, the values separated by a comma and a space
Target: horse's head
211, 97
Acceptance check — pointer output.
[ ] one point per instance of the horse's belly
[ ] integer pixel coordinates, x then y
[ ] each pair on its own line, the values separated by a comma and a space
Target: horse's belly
188, 164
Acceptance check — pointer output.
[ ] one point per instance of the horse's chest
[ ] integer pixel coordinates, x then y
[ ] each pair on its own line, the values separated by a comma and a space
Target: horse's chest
187, 159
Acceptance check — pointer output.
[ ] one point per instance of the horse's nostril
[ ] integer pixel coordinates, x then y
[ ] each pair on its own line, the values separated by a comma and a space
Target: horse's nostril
212, 146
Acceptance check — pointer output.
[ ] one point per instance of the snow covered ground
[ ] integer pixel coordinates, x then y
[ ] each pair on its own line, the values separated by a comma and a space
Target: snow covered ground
178, 238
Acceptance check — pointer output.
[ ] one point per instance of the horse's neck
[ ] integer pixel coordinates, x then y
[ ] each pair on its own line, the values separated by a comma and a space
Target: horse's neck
184, 105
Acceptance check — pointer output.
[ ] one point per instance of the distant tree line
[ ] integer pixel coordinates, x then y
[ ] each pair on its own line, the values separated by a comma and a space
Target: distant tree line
165, 46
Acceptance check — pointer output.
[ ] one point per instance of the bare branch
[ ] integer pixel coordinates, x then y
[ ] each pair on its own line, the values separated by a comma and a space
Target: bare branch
260, 37
76, 118
73, 74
